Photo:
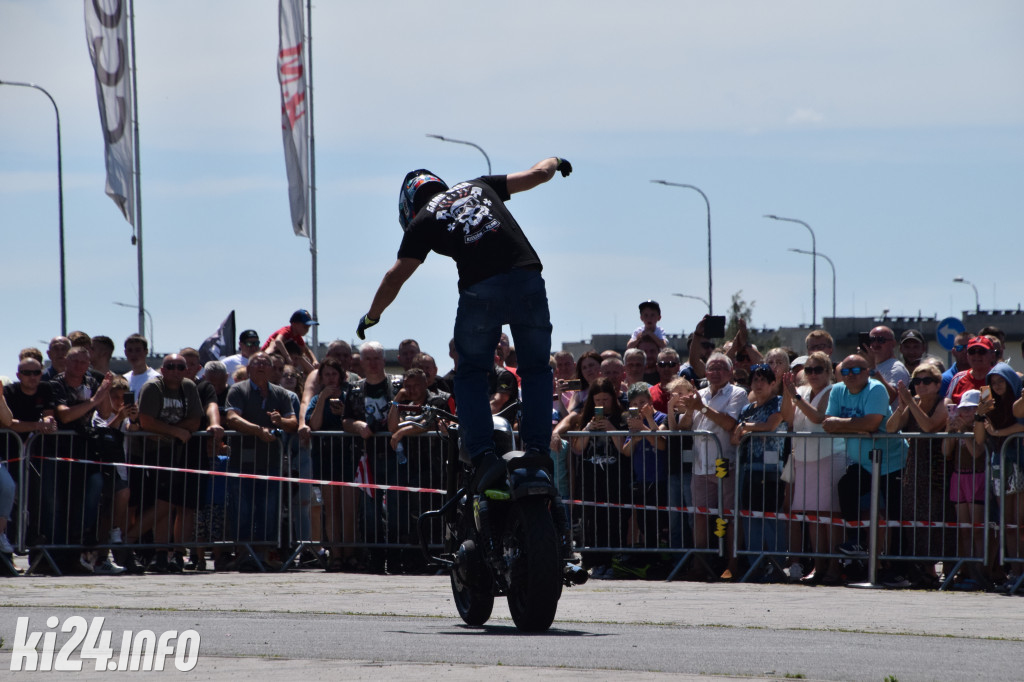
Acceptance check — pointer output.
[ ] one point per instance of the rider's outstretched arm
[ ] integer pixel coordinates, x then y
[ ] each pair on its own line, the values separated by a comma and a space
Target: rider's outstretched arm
541, 172
389, 287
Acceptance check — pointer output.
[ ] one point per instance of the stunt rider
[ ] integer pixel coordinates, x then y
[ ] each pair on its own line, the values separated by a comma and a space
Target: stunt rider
499, 283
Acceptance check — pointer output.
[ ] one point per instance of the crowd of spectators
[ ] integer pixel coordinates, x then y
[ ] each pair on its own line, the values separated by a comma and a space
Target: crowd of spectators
634, 436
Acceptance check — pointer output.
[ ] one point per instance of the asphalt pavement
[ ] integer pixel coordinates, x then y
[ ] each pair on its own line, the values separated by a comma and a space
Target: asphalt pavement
970, 618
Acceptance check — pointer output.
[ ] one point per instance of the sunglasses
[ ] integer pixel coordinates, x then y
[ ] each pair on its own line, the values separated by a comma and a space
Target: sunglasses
879, 339
847, 371
251, 344
30, 372
177, 367
923, 380
960, 347
814, 370
667, 363
977, 350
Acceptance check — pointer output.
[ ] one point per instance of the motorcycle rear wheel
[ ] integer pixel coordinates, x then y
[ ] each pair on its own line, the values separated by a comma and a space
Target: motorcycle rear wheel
535, 583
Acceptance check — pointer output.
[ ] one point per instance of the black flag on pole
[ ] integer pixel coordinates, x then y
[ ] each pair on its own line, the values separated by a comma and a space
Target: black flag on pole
221, 343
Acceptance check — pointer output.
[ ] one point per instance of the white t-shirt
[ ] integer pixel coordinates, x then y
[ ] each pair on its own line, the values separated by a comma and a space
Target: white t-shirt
233, 362
136, 381
729, 400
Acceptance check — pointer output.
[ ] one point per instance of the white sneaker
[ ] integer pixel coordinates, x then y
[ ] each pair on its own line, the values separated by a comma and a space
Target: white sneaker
86, 559
5, 545
115, 536
108, 567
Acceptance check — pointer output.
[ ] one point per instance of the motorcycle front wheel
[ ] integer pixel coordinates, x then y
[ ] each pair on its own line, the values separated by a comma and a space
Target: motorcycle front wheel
474, 602
535, 580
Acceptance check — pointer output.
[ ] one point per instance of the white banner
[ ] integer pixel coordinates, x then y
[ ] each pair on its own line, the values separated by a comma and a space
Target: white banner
291, 72
106, 32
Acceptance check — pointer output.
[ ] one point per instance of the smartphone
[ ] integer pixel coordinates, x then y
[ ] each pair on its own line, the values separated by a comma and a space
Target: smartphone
573, 385
951, 411
598, 412
864, 340
336, 405
129, 398
714, 326
986, 392
634, 412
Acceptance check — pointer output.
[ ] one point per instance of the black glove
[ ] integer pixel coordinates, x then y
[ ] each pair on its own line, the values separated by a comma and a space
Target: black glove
365, 322
564, 167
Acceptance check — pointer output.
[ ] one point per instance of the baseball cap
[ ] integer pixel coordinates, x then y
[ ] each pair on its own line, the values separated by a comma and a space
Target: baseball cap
970, 398
248, 335
799, 362
650, 304
302, 316
912, 334
982, 341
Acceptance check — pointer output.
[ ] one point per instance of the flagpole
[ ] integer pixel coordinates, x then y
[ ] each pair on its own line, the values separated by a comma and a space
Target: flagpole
137, 237
311, 194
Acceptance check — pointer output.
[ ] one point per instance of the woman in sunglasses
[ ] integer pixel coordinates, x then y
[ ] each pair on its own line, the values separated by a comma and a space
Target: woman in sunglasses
817, 466
925, 474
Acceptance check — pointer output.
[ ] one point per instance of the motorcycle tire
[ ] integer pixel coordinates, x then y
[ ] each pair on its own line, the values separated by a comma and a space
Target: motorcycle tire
535, 582
473, 603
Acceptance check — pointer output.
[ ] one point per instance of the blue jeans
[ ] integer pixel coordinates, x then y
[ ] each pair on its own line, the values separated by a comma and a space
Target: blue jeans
253, 504
516, 298
7, 490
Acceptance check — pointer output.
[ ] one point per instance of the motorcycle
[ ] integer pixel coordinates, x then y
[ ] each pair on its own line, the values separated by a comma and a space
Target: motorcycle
512, 541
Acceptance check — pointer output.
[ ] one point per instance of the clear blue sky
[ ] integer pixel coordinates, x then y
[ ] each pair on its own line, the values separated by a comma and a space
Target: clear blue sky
895, 129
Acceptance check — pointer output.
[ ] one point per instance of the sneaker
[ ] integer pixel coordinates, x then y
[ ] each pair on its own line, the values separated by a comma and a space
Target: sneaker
108, 567
853, 550
795, 573
85, 561
5, 545
1008, 584
489, 470
175, 563
115, 536
896, 581
159, 563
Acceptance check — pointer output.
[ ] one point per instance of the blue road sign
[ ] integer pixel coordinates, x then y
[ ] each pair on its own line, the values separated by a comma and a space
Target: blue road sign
947, 330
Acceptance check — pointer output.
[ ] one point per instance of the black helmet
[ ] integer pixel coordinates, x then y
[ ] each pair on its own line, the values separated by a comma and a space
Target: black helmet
417, 189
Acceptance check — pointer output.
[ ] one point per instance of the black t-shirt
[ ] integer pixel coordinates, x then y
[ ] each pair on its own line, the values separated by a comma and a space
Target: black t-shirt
29, 408
63, 394
470, 224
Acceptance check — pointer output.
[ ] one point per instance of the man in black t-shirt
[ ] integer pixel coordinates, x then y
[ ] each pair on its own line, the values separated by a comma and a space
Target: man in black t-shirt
499, 283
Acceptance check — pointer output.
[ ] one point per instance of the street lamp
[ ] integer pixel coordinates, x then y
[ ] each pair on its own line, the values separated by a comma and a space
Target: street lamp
60, 204
821, 255
135, 306
977, 304
814, 266
471, 144
696, 298
708, 204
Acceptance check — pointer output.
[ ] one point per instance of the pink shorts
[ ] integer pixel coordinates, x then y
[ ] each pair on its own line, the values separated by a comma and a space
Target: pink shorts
705, 491
967, 486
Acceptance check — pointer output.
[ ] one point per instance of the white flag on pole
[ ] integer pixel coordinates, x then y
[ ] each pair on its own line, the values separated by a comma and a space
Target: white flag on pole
291, 72
106, 32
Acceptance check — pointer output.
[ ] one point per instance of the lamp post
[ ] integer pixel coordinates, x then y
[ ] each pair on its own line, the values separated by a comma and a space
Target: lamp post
977, 303
696, 298
60, 204
814, 266
471, 144
821, 255
135, 306
708, 205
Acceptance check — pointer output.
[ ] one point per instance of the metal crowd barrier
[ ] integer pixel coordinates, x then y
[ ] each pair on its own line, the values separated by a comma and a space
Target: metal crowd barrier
1011, 505
823, 497
621, 506
351, 495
